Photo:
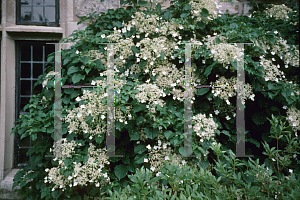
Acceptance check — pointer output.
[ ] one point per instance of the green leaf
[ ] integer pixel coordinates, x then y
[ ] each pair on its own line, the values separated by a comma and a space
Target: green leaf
121, 171
181, 151
253, 141
77, 77
139, 159
138, 148
168, 15
138, 108
66, 60
89, 119
72, 70
184, 15
87, 70
99, 139
151, 133
174, 141
140, 120
168, 134
85, 59
233, 26
134, 134
204, 164
66, 99
202, 91
67, 162
162, 56
45, 192
204, 12
209, 68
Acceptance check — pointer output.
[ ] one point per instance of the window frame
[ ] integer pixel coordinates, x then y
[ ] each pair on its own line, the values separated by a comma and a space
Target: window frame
20, 22
18, 44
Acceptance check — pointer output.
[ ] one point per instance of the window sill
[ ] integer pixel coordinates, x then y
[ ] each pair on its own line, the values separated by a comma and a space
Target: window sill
32, 29
6, 191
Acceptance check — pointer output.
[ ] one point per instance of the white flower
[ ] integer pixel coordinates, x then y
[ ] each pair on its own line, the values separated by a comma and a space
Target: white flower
70, 177
217, 112
284, 107
79, 115
46, 170
273, 159
290, 170
158, 173
93, 83
213, 51
295, 155
152, 168
78, 99
180, 27
125, 122
103, 35
120, 120
97, 185
145, 160
228, 118
53, 189
273, 53
273, 59
275, 32
148, 146
105, 175
101, 74
266, 79
102, 116
151, 63
91, 137
164, 73
167, 158
77, 52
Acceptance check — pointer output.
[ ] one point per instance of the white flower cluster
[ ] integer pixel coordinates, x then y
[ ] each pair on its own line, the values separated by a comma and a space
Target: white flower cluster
64, 148
150, 93
279, 12
283, 50
294, 118
77, 116
223, 52
51, 73
198, 5
272, 72
204, 127
160, 153
91, 171
229, 88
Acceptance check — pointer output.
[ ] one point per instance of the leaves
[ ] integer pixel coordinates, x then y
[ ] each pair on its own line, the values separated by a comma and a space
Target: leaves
121, 171
202, 91
72, 70
77, 77
151, 133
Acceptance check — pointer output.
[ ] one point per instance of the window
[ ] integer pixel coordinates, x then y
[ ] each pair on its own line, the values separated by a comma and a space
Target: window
31, 60
38, 12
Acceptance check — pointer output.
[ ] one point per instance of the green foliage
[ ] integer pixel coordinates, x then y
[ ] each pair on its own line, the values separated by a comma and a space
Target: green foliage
217, 176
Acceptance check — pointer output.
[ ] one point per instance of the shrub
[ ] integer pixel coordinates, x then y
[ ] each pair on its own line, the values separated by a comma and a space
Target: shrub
149, 105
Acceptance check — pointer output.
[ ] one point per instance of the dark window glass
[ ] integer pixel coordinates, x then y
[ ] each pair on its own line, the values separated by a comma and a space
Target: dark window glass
38, 12
31, 63
26, 70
